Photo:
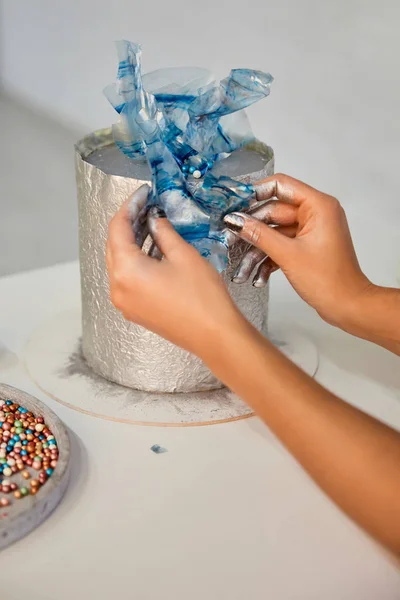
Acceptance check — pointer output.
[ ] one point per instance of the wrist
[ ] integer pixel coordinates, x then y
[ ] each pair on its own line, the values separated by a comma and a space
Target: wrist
373, 316
355, 309
222, 336
350, 308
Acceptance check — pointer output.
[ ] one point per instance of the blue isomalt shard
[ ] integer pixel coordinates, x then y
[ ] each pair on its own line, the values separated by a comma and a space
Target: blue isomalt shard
182, 121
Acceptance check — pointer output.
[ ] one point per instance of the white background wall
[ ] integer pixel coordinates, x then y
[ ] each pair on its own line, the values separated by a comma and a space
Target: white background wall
332, 116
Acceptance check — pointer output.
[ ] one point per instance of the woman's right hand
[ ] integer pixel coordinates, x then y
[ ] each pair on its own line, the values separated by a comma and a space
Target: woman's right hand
315, 251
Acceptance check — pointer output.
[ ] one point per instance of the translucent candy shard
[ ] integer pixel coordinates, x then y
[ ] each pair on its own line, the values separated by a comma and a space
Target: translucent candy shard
182, 121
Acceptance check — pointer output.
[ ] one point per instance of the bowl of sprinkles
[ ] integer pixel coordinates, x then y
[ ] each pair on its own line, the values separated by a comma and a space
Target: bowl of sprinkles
34, 463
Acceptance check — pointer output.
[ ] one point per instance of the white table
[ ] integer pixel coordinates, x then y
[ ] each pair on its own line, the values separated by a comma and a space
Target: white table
226, 513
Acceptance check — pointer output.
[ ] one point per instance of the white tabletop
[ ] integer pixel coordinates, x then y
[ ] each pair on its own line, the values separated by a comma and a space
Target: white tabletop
227, 512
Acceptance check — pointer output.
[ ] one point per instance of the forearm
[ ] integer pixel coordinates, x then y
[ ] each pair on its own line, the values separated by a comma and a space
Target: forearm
375, 317
353, 457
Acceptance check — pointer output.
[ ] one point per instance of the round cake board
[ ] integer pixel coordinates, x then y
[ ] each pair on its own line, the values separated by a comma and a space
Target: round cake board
24, 515
55, 363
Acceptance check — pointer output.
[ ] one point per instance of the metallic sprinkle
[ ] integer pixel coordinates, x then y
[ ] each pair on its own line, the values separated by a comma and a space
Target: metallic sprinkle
158, 449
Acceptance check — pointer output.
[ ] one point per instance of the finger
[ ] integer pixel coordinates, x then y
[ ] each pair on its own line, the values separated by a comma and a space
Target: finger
288, 231
246, 267
120, 233
287, 189
152, 216
141, 234
138, 201
255, 255
164, 235
138, 214
264, 271
140, 227
271, 212
141, 224
274, 212
263, 236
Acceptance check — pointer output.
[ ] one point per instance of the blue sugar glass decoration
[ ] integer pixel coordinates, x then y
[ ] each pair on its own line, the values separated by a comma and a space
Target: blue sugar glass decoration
182, 122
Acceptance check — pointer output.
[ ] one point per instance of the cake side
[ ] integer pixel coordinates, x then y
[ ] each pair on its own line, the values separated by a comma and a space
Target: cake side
116, 349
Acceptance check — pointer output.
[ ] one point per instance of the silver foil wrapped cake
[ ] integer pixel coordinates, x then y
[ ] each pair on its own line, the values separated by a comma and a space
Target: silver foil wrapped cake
176, 131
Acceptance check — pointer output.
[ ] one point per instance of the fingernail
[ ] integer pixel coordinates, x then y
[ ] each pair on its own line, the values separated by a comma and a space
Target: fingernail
260, 281
234, 222
237, 277
143, 187
157, 212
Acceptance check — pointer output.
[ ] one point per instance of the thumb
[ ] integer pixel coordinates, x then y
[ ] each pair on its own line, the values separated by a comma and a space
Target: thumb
163, 233
260, 235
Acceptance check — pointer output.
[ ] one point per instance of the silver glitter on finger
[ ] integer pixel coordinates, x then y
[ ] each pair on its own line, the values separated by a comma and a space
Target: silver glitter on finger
247, 265
140, 227
155, 213
265, 269
138, 201
141, 233
265, 190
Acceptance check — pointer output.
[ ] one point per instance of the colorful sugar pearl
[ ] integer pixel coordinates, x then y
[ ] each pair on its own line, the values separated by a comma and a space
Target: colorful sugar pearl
26, 442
